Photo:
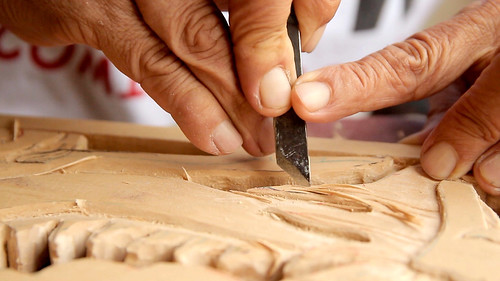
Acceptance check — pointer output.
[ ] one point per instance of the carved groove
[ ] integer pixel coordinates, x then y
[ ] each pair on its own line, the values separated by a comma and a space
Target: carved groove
371, 214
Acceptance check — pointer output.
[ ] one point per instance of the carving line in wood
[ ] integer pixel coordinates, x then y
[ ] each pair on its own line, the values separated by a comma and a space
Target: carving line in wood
64, 209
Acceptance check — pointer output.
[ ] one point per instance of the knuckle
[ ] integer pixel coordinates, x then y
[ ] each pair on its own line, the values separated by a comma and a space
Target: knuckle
202, 35
483, 18
363, 73
264, 30
170, 94
256, 44
400, 78
475, 122
149, 58
187, 106
420, 52
255, 36
162, 76
325, 10
165, 78
408, 63
157, 59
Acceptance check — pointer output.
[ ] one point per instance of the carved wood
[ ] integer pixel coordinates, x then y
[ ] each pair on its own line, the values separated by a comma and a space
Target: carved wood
73, 202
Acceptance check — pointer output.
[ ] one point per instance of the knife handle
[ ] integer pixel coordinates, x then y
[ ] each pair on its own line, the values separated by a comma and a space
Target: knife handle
294, 35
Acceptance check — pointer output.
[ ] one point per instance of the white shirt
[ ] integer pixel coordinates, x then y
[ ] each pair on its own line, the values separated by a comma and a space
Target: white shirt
341, 42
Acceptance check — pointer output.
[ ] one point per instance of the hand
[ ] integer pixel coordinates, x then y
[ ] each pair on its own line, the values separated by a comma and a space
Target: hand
459, 58
181, 54
263, 52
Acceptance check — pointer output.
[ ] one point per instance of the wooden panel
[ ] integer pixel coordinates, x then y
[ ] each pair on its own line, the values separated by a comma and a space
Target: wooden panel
371, 213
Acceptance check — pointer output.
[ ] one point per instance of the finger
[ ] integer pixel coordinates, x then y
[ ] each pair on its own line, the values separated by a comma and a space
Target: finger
222, 4
439, 104
487, 171
193, 107
263, 53
143, 57
467, 130
201, 41
411, 70
313, 15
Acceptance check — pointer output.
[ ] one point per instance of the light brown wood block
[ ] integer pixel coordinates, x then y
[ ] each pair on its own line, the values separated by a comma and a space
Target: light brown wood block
68, 241
129, 211
4, 234
27, 244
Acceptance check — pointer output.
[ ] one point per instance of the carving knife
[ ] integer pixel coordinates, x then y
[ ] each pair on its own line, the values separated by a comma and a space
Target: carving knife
289, 129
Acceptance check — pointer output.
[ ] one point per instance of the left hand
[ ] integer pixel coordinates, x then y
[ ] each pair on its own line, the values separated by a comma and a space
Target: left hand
180, 52
457, 58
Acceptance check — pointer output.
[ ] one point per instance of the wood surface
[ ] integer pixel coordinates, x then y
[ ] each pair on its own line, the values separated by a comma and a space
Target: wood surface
154, 207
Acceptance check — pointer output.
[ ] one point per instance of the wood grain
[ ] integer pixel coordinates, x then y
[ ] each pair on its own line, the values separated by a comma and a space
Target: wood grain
371, 214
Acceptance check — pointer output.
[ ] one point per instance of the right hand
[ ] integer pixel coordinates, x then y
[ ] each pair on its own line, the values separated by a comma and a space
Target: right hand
458, 58
180, 52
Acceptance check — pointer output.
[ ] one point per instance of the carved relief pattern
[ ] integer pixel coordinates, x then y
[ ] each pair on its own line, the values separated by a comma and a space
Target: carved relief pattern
368, 216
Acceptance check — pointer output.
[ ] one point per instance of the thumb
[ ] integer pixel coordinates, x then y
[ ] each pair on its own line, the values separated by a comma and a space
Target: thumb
263, 51
469, 129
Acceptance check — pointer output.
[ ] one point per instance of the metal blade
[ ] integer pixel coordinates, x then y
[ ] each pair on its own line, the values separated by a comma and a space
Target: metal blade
289, 130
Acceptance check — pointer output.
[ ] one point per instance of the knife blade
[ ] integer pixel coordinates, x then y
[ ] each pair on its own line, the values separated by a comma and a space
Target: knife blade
289, 129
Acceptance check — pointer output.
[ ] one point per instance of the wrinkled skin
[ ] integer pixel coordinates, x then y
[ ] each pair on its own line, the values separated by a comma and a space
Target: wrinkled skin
181, 53
195, 68
457, 63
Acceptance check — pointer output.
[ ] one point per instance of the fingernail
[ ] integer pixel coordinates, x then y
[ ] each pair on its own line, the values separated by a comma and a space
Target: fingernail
266, 137
226, 138
490, 170
314, 40
275, 89
313, 95
439, 161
